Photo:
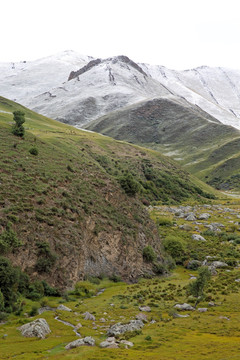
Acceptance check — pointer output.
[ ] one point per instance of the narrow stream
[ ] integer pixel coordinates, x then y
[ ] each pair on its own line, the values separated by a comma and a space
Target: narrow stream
68, 324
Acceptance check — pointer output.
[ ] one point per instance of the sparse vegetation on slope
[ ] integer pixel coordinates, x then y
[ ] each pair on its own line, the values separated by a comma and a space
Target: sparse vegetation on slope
69, 206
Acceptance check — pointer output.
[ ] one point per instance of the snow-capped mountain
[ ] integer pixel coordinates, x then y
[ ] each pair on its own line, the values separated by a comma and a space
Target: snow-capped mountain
78, 89
23, 80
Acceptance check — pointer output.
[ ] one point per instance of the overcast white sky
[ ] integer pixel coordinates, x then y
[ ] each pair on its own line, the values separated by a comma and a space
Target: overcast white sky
179, 34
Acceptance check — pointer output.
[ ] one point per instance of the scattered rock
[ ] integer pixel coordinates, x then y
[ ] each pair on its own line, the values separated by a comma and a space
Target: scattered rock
37, 328
194, 264
145, 308
198, 237
63, 308
102, 320
237, 280
190, 217
128, 344
176, 315
142, 317
119, 328
204, 216
224, 318
201, 310
88, 340
110, 342
218, 264
184, 307
211, 303
88, 316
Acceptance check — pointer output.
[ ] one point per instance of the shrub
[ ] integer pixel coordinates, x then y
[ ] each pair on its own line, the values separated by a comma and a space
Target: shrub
33, 311
159, 268
149, 254
164, 221
18, 129
129, 184
33, 151
46, 258
115, 278
175, 247
8, 240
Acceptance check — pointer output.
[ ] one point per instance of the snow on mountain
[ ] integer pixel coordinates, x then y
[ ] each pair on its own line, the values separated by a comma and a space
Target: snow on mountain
78, 89
214, 90
22, 80
100, 87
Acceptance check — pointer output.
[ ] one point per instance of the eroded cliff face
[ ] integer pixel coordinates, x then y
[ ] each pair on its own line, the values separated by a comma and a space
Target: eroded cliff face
91, 247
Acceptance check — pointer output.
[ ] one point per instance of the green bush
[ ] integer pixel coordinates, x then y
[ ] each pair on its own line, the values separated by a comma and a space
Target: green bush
129, 184
174, 247
8, 240
33, 151
164, 221
46, 258
149, 254
18, 129
159, 268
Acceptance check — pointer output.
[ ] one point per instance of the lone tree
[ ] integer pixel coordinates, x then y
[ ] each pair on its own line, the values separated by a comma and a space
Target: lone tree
18, 129
197, 287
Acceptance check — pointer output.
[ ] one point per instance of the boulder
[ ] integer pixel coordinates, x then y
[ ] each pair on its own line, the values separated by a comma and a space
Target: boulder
119, 328
145, 308
190, 217
37, 328
218, 264
63, 308
88, 316
204, 216
194, 264
142, 317
201, 310
128, 344
184, 307
87, 341
198, 237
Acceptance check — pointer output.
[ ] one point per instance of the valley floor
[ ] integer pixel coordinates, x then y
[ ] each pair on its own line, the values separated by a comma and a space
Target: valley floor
207, 334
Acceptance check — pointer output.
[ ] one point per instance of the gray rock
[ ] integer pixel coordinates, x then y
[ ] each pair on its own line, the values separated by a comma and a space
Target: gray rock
176, 315
194, 264
128, 344
145, 308
237, 280
88, 340
184, 307
88, 316
102, 320
224, 318
141, 316
198, 237
190, 217
119, 328
218, 264
211, 303
201, 310
37, 328
204, 216
63, 308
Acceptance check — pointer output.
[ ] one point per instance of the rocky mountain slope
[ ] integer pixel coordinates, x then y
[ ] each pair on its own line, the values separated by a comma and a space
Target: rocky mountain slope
74, 206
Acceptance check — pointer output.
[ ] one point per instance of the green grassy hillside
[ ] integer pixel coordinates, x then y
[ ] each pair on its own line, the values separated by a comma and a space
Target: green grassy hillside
204, 146
77, 207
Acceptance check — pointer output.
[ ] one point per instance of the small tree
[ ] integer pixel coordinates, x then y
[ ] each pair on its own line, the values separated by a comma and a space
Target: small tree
18, 129
197, 287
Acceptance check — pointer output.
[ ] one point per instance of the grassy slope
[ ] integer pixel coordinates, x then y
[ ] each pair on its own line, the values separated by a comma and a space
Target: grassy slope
69, 196
203, 145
